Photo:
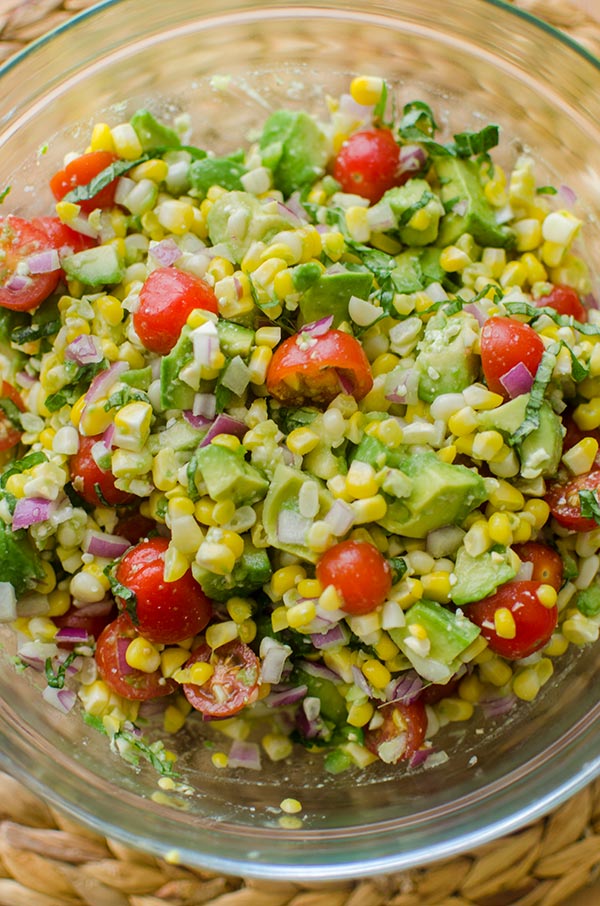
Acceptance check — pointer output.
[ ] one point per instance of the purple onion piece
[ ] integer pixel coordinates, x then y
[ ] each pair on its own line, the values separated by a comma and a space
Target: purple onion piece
284, 697
83, 350
473, 309
71, 634
31, 510
337, 635
101, 544
406, 689
517, 380
102, 383
346, 383
224, 424
45, 262
196, 421
318, 328
166, 252
244, 755
313, 668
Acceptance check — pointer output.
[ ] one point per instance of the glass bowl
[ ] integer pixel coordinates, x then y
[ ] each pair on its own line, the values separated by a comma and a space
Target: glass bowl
474, 61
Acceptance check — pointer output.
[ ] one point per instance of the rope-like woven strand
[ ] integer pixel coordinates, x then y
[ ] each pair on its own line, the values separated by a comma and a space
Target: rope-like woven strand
49, 860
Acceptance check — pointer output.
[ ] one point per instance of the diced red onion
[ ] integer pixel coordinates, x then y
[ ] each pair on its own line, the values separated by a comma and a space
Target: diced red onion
349, 107
286, 697
224, 424
309, 729
473, 309
525, 573
122, 646
337, 635
25, 380
17, 282
292, 527
101, 544
196, 421
412, 159
405, 690
166, 252
108, 436
96, 609
31, 510
83, 350
346, 383
72, 634
205, 404
420, 756
407, 390
340, 517
244, 754
274, 656
35, 653
361, 681
517, 380
497, 707
102, 383
590, 301
239, 289
318, 328
62, 699
43, 262
567, 195
320, 671
293, 211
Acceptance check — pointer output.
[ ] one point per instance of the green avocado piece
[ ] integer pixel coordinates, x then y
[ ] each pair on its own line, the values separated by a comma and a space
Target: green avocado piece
540, 452
408, 200
445, 359
470, 211
234, 339
333, 703
238, 219
251, 572
331, 294
283, 500
587, 601
295, 148
20, 563
96, 266
505, 418
175, 393
478, 577
226, 172
228, 476
152, 133
416, 269
449, 632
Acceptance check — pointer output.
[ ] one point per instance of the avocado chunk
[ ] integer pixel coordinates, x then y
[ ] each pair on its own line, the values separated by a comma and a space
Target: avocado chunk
237, 219
587, 601
439, 493
505, 418
295, 148
175, 393
234, 339
96, 266
477, 577
445, 359
416, 269
228, 476
449, 632
251, 572
333, 703
226, 172
152, 133
285, 526
20, 563
331, 294
470, 211
417, 211
540, 451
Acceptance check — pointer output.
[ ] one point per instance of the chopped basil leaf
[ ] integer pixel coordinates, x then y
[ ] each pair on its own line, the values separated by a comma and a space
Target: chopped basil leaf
590, 506
123, 396
476, 144
21, 465
398, 567
579, 372
103, 179
124, 594
546, 190
92, 720
4, 193
380, 106
536, 395
11, 412
136, 747
22, 335
534, 313
56, 679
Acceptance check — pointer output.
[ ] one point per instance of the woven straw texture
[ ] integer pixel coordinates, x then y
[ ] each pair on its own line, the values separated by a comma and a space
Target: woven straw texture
47, 859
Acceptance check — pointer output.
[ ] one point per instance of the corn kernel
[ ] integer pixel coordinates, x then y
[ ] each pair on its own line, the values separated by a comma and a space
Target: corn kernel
557, 645
499, 529
539, 510
453, 259
110, 308
547, 596
366, 90
487, 444
239, 609
302, 440
223, 512
59, 601
259, 363
142, 655
309, 588
504, 623
514, 274
526, 684
522, 532
329, 599
357, 222
528, 234
580, 630
455, 709
535, 270
369, 509
495, 671
279, 620
385, 648
360, 480
200, 673
176, 564
378, 675
301, 614
219, 268
471, 688
101, 138
173, 719
287, 578
436, 586
463, 422
447, 454
359, 715
581, 456
221, 633
587, 415
171, 659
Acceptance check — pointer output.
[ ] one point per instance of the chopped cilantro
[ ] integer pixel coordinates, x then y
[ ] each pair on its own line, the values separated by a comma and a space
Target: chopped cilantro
537, 393
590, 506
103, 179
56, 678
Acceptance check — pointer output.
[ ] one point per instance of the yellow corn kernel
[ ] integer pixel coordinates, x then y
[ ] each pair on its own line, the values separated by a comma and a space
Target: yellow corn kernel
247, 631
180, 506
506, 497
539, 510
581, 456
587, 415
110, 308
216, 557
175, 216
504, 623
514, 274
155, 169
463, 422
221, 633
219, 268
557, 645
522, 532
259, 364
357, 222
46, 438
378, 675
487, 444
471, 688
334, 245
309, 588
495, 671
553, 253
234, 542
226, 440
526, 684
547, 596
499, 529
239, 609
224, 511
579, 629
528, 234
77, 409
359, 715
447, 454
302, 440
110, 350
301, 614
361, 481
369, 509
329, 599
279, 620
385, 648
453, 259
173, 719
203, 511
366, 90
436, 586
477, 540
455, 709
172, 659
176, 564
495, 188
220, 760
94, 419
142, 655
278, 746
286, 578
67, 211
95, 697
201, 672
101, 138
384, 363
126, 141
268, 336
535, 270
59, 602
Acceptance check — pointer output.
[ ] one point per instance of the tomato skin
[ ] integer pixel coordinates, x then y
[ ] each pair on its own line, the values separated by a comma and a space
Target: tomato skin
62, 237
165, 612
9, 434
167, 298
565, 300
19, 239
414, 718
565, 505
534, 623
359, 573
135, 684
134, 527
504, 343
80, 172
368, 164
547, 563
303, 372
229, 661
86, 474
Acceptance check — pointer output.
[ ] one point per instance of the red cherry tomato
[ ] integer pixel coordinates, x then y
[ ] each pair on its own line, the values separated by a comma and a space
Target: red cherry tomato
405, 723
19, 240
547, 563
80, 172
359, 573
315, 369
368, 164
167, 298
88, 478
574, 434
163, 612
62, 237
235, 681
115, 671
434, 693
505, 343
90, 617
134, 527
565, 300
10, 435
534, 623
565, 503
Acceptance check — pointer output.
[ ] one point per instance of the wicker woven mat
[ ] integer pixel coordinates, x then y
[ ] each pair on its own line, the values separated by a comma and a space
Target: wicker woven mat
47, 859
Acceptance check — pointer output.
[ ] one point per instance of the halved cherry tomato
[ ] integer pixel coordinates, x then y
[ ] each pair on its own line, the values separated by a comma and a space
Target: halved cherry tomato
113, 668
163, 612
167, 298
435, 692
505, 343
235, 681
565, 503
547, 563
90, 617
358, 572
368, 164
134, 527
401, 733
88, 478
80, 172
19, 240
565, 300
10, 435
62, 237
306, 369
534, 623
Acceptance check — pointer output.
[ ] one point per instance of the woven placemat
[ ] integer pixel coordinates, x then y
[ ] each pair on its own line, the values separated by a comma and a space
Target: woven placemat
47, 859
